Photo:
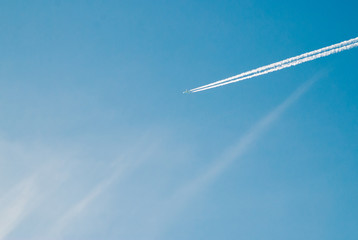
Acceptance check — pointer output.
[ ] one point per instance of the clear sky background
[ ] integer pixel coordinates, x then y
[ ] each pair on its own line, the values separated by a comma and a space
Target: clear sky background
97, 140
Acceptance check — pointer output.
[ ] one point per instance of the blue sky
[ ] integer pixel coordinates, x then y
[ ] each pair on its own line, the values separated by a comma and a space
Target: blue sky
97, 140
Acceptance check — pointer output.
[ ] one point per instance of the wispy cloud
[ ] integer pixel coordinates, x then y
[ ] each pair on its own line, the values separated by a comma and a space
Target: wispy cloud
38, 171
244, 143
122, 167
82, 204
51, 175
233, 153
16, 204
25, 197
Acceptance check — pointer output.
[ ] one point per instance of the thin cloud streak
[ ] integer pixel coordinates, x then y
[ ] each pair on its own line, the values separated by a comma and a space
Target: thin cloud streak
122, 167
16, 204
81, 205
24, 198
233, 153
244, 144
323, 52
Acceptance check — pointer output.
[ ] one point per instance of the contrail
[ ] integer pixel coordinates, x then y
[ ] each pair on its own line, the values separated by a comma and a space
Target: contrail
279, 67
323, 52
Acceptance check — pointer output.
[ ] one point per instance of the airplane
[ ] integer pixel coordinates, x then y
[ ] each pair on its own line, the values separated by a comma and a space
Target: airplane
187, 91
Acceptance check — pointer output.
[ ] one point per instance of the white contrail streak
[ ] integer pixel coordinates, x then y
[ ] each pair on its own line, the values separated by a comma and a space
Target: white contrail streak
324, 54
326, 51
